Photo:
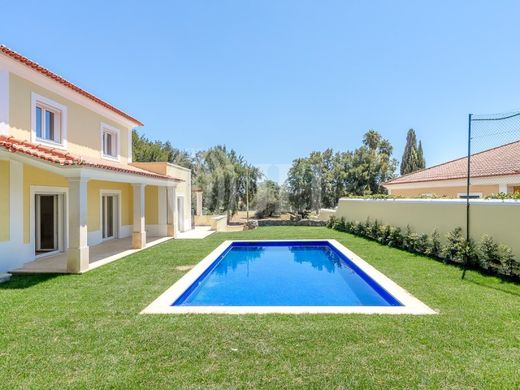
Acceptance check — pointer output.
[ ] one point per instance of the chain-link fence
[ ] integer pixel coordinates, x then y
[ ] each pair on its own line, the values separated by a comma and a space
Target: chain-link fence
493, 172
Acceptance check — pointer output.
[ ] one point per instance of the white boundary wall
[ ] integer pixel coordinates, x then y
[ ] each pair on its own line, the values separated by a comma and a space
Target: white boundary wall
498, 218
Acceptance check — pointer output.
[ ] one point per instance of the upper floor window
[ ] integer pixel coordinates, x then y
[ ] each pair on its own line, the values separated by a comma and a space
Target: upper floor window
49, 121
109, 142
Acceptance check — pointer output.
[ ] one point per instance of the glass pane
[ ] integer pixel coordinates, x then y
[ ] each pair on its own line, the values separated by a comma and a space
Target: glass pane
38, 122
110, 216
49, 125
108, 144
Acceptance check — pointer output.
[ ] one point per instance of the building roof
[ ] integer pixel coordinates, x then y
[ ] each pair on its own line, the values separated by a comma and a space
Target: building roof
40, 69
500, 161
62, 158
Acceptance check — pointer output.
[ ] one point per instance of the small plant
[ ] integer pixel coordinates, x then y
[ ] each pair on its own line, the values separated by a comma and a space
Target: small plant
487, 253
395, 238
434, 248
409, 238
422, 245
384, 234
331, 223
456, 246
509, 265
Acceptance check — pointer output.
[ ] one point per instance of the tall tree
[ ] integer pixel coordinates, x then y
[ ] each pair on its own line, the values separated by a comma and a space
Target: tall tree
413, 158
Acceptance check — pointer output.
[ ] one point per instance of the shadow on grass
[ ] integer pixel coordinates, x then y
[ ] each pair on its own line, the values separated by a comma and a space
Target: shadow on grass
503, 287
19, 282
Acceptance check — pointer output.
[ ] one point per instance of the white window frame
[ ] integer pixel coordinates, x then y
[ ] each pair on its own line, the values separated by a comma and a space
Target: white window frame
115, 138
39, 100
117, 210
462, 195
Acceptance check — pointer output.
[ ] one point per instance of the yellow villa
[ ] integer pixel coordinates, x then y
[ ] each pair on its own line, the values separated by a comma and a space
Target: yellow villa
71, 198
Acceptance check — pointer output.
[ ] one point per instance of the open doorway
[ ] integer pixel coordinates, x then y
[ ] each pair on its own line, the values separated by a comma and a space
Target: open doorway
48, 223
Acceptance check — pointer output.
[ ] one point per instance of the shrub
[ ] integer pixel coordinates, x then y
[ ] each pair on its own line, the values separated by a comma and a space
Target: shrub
487, 253
384, 234
422, 245
457, 248
434, 248
395, 237
509, 265
331, 223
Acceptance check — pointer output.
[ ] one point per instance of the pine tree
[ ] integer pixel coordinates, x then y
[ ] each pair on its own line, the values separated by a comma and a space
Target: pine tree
413, 158
420, 155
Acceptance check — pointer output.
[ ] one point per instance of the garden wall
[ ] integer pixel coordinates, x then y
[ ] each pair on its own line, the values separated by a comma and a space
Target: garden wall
497, 218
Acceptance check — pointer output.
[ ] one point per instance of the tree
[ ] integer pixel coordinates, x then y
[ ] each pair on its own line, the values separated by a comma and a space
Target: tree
413, 158
267, 200
320, 179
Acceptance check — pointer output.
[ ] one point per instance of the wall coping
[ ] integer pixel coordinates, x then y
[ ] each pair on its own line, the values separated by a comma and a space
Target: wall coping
493, 202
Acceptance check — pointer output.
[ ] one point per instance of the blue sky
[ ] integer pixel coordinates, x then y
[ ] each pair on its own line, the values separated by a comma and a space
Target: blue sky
276, 80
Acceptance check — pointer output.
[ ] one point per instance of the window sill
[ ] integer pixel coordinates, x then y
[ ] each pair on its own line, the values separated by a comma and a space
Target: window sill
110, 158
53, 144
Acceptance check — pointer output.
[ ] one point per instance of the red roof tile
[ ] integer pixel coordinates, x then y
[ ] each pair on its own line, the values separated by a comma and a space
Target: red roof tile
31, 64
60, 157
499, 161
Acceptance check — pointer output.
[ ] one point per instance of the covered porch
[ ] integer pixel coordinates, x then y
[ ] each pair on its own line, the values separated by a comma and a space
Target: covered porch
101, 254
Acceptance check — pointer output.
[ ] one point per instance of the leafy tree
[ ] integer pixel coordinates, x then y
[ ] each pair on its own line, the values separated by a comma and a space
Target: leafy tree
413, 158
267, 200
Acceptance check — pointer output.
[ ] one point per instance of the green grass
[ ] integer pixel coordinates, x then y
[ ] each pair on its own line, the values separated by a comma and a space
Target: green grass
85, 331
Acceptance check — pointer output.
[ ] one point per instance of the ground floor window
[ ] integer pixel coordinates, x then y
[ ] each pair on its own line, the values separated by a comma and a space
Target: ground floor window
109, 216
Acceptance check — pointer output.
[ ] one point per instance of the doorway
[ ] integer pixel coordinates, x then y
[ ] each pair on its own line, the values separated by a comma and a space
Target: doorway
48, 223
109, 216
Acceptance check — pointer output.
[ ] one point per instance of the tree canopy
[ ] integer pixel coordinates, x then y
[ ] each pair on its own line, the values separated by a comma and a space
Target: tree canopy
413, 158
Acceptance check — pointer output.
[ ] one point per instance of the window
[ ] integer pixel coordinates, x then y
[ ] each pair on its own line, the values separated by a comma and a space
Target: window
109, 142
49, 121
48, 124
516, 190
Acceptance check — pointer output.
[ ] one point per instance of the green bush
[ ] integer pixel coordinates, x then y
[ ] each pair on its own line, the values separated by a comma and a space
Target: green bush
497, 258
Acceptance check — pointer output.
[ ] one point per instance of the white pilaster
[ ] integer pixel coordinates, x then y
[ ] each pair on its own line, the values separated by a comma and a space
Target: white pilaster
171, 214
139, 233
78, 251
4, 102
502, 187
199, 202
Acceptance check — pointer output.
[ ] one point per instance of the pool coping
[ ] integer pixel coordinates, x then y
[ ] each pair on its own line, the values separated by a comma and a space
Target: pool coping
162, 305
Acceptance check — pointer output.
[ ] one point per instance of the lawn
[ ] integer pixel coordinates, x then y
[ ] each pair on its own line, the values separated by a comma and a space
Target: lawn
85, 331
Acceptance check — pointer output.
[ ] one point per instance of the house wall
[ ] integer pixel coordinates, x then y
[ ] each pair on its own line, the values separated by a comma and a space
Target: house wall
83, 127
448, 192
4, 200
36, 177
151, 209
497, 218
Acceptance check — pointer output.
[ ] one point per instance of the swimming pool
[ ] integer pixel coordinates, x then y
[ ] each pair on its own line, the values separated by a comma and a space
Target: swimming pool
304, 276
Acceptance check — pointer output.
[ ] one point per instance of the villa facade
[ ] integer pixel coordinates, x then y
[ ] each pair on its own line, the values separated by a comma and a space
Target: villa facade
67, 180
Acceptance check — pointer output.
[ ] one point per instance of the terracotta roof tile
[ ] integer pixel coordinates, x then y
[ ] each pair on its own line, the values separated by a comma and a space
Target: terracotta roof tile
499, 161
38, 68
60, 157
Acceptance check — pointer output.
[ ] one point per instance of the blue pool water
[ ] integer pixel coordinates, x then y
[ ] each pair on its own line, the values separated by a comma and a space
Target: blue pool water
284, 274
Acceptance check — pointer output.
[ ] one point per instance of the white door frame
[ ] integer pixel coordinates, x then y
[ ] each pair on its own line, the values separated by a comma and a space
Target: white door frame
117, 208
63, 220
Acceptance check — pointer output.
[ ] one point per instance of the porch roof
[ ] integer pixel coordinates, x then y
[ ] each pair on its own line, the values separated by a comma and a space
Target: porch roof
61, 158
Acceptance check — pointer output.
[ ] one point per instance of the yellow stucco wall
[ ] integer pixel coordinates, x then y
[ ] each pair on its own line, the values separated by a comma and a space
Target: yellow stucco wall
448, 192
83, 128
36, 177
4, 200
94, 188
151, 207
499, 219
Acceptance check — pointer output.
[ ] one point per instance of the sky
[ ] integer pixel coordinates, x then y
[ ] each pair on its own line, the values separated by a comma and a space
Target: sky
277, 79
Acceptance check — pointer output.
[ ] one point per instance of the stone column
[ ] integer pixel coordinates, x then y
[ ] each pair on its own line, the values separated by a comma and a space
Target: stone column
139, 233
199, 203
170, 207
78, 251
